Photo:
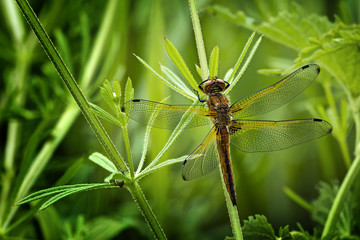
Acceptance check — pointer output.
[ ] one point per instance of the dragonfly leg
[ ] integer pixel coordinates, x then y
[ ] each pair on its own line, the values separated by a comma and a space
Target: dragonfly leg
197, 93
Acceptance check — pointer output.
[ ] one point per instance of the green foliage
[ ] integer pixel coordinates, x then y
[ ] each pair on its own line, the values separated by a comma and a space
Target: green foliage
347, 223
258, 228
60, 192
214, 62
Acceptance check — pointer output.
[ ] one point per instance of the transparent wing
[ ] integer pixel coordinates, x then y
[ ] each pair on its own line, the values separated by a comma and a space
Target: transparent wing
203, 160
166, 116
276, 95
262, 136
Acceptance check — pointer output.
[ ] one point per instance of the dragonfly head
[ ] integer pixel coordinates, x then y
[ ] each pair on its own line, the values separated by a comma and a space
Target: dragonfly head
213, 85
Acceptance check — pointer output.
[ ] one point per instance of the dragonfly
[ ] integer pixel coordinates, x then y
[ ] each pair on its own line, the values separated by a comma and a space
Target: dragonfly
230, 123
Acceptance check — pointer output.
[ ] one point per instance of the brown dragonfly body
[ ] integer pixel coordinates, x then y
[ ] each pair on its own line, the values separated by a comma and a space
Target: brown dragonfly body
230, 125
222, 120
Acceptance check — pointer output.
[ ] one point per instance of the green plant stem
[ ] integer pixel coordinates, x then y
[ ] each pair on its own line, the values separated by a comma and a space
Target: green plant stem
232, 211
199, 40
71, 84
339, 200
138, 196
128, 151
345, 150
351, 176
298, 199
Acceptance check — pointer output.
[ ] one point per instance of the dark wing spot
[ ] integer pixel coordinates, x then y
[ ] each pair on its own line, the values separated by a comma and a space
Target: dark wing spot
123, 109
184, 162
317, 120
136, 100
305, 67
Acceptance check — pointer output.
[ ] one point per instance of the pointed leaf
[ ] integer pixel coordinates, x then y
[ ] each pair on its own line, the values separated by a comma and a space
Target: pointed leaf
198, 70
241, 57
104, 114
160, 77
179, 63
160, 165
103, 162
252, 52
175, 80
214, 61
74, 189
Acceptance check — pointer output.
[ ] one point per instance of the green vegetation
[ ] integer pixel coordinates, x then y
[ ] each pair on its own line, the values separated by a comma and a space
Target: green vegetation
310, 191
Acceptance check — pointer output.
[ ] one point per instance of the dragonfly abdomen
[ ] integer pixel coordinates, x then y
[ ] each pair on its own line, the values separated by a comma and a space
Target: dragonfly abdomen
222, 141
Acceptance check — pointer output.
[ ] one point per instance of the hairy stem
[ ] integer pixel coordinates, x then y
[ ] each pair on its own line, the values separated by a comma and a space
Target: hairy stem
199, 40
138, 196
232, 211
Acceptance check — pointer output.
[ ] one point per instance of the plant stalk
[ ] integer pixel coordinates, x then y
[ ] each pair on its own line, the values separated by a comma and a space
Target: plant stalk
128, 151
199, 40
351, 176
138, 196
71, 84
232, 211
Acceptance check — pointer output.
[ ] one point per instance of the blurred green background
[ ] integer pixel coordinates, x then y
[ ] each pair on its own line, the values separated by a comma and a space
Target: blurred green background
33, 101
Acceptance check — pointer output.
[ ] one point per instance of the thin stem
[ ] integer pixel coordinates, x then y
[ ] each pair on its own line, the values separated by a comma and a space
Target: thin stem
232, 211
298, 199
339, 200
128, 151
345, 151
351, 175
138, 196
71, 84
199, 40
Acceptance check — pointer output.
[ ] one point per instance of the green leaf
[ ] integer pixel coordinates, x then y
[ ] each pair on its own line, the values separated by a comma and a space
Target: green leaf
129, 91
55, 190
337, 50
179, 63
198, 70
129, 94
284, 233
72, 190
168, 83
258, 228
103, 162
345, 224
225, 13
179, 84
104, 114
233, 81
214, 61
241, 57
147, 171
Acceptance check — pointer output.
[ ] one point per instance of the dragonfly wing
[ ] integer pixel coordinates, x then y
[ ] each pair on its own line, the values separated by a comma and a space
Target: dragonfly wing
203, 160
262, 136
276, 95
166, 116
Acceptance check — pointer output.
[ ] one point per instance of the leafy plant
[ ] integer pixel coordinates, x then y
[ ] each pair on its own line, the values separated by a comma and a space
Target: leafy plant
44, 103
